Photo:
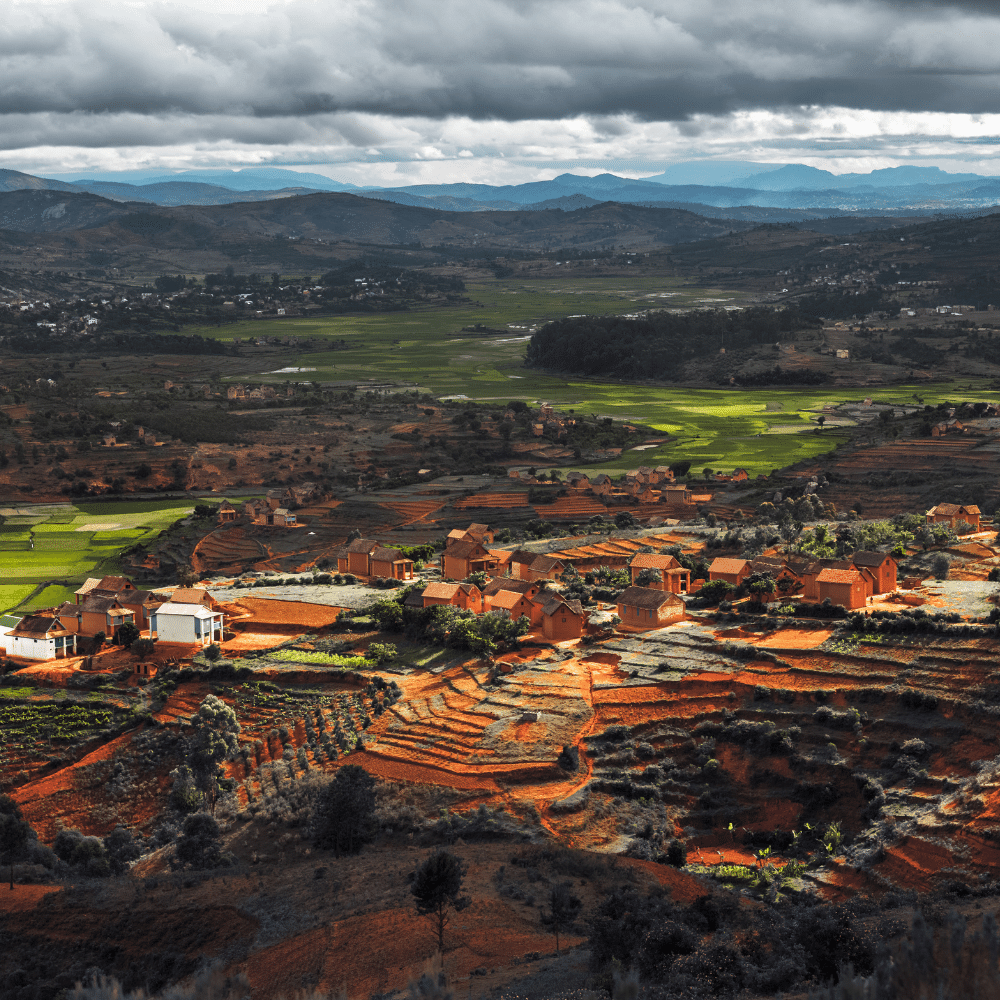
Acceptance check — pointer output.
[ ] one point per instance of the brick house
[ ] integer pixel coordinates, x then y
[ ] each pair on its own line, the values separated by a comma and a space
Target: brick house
673, 577
341, 555
846, 587
643, 607
463, 558
514, 605
106, 586
562, 619
677, 493
227, 512
359, 554
527, 587
952, 514
882, 568
544, 567
784, 577
733, 571
461, 595
93, 615
808, 571
391, 564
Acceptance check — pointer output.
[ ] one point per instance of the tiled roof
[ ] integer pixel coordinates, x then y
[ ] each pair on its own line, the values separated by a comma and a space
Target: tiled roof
653, 560
89, 584
462, 550
544, 564
38, 625
387, 555
191, 595
839, 576
442, 591
506, 599
362, 545
523, 556
646, 597
514, 586
870, 558
558, 602
723, 565
99, 605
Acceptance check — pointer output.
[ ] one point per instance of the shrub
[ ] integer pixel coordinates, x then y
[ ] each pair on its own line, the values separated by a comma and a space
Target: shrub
199, 845
381, 653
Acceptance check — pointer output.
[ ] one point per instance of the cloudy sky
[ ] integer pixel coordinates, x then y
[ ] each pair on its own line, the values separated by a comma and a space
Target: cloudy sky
498, 91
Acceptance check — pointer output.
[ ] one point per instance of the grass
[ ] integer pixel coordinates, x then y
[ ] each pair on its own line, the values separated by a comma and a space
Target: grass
11, 594
314, 656
721, 429
50, 597
79, 541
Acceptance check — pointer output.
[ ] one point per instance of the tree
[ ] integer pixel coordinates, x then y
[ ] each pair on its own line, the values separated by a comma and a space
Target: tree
97, 643
715, 591
215, 739
821, 420
647, 576
626, 519
199, 844
127, 634
380, 652
15, 833
564, 908
437, 887
212, 653
345, 816
143, 648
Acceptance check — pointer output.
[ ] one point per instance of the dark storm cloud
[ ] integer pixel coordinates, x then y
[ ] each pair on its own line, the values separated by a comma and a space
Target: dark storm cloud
662, 60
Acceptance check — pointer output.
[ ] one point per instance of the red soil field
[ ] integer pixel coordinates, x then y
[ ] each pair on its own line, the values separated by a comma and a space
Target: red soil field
24, 897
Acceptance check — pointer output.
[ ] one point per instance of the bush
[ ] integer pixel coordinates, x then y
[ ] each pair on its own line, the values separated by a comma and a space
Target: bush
200, 843
381, 653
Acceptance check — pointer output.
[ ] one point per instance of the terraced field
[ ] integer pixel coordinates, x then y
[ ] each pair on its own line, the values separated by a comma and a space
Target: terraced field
63, 544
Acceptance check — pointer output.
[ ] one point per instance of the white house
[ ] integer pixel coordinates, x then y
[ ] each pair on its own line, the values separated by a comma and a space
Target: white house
192, 623
40, 637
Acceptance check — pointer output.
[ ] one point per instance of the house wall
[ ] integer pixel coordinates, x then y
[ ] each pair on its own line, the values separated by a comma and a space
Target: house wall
395, 571
181, 628
358, 563
850, 596
41, 649
562, 625
734, 578
454, 568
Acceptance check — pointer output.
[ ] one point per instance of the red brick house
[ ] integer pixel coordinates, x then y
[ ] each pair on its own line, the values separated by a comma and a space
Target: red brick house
846, 587
515, 605
359, 554
227, 512
391, 564
677, 494
643, 607
527, 587
952, 514
545, 568
733, 571
463, 558
882, 568
673, 577
562, 619
462, 595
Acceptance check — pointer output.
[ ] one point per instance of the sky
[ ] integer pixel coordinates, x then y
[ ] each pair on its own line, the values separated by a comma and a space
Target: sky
497, 91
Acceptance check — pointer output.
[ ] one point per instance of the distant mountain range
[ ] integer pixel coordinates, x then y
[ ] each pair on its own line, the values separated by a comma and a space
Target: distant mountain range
721, 189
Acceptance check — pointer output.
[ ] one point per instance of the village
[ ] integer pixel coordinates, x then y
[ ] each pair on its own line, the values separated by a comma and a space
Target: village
658, 571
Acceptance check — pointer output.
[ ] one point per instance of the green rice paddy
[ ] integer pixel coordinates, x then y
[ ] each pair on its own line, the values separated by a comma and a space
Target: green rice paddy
63, 545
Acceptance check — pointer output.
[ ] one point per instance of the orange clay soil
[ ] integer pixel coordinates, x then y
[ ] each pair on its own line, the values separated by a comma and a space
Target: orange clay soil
24, 897
76, 796
380, 952
792, 638
293, 614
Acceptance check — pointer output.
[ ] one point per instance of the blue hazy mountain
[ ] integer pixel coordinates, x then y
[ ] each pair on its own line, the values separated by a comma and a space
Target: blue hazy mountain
247, 179
799, 177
